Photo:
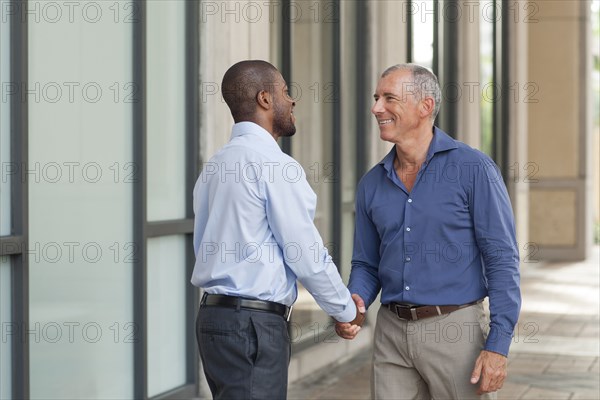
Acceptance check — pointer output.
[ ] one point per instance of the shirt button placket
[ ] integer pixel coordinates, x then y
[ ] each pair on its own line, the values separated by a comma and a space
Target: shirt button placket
407, 259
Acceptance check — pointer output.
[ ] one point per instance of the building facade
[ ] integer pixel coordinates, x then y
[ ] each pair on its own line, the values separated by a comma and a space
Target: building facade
110, 109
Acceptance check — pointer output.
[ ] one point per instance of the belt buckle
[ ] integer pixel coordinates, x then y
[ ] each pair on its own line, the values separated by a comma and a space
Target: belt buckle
413, 311
289, 314
414, 316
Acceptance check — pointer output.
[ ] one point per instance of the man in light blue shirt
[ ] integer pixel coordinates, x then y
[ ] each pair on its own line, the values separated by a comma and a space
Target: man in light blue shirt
254, 236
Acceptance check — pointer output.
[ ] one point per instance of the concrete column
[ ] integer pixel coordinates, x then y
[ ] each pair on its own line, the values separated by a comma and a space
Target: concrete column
558, 125
387, 23
229, 32
469, 116
517, 128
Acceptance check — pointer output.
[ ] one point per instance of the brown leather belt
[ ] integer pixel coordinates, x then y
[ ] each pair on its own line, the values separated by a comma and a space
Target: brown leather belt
414, 313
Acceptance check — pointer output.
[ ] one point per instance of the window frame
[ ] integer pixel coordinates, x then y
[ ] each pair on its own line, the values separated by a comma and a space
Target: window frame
143, 228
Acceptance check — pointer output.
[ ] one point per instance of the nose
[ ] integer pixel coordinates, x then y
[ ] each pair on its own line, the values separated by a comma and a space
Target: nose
377, 107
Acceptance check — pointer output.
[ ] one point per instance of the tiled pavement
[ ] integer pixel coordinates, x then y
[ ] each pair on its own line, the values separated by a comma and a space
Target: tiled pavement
555, 353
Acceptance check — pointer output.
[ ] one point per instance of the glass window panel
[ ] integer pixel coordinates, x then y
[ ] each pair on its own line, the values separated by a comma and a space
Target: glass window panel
167, 282
486, 49
7, 329
166, 109
5, 167
314, 91
80, 203
423, 19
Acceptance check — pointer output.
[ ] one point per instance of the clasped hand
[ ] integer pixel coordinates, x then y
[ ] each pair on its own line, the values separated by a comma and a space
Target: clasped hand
349, 330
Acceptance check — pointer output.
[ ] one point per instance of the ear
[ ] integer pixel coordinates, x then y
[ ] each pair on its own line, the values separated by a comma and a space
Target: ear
426, 107
264, 99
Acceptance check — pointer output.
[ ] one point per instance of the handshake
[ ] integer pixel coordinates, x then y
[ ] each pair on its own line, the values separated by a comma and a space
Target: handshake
349, 330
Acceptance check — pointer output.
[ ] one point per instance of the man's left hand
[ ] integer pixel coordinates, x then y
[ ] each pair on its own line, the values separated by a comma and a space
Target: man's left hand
490, 370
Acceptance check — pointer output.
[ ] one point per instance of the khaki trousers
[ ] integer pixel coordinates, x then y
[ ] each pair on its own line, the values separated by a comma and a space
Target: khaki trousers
431, 358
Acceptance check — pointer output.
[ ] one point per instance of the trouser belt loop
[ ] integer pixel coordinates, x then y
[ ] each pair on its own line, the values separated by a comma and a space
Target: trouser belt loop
413, 314
238, 305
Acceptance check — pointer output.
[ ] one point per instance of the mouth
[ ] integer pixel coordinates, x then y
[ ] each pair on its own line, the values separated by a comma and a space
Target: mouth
383, 122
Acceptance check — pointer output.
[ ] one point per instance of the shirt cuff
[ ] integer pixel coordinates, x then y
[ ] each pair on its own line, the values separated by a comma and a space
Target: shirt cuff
365, 296
498, 341
348, 314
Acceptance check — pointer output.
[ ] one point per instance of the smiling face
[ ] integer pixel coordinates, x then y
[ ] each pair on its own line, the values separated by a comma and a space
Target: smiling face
283, 108
397, 108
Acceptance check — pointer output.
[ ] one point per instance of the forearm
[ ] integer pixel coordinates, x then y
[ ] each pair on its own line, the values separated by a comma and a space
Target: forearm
330, 293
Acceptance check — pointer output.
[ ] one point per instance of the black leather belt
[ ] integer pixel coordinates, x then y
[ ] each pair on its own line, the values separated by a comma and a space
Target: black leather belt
414, 313
222, 300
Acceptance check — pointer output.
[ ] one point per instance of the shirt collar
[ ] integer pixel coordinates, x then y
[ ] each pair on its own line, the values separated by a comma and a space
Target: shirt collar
440, 142
250, 128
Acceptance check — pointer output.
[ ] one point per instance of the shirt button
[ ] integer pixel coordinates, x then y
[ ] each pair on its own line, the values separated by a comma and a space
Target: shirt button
407, 229
407, 258
410, 200
407, 288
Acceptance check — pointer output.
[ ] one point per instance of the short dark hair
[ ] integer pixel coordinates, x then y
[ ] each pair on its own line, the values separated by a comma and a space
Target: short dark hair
242, 82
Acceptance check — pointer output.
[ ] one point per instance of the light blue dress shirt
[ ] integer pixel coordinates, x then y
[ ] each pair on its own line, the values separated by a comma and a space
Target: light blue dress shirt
254, 234
449, 241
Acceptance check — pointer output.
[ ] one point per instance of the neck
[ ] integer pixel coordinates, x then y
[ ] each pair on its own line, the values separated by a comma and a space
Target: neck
412, 149
265, 123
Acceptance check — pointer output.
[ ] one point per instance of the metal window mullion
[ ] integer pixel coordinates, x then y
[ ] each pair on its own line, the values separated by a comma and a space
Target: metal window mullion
336, 198
435, 62
409, 31
12, 245
503, 124
193, 168
449, 70
286, 59
170, 227
140, 317
19, 205
362, 97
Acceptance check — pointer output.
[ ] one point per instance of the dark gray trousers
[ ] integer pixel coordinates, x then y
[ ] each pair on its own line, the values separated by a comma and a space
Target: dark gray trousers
245, 354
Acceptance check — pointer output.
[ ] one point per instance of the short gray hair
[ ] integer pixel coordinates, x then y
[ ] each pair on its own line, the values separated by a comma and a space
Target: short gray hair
425, 82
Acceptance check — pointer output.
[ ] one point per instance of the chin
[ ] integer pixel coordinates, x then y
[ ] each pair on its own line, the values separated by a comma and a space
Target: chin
386, 136
287, 132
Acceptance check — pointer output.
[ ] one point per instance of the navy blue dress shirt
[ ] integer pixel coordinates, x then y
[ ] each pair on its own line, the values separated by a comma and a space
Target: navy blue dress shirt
450, 240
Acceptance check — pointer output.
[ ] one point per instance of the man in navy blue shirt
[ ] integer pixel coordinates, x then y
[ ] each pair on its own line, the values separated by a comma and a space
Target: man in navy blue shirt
435, 233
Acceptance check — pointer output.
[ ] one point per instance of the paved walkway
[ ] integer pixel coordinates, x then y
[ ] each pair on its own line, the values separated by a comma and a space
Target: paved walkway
555, 353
